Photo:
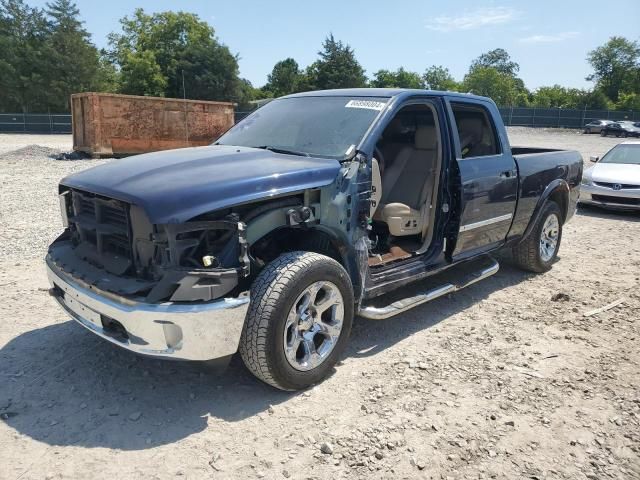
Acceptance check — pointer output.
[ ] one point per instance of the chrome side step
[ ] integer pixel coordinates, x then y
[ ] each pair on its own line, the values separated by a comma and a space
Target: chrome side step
400, 306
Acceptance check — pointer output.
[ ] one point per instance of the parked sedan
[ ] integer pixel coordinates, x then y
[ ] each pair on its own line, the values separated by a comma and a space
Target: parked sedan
615, 179
596, 126
620, 129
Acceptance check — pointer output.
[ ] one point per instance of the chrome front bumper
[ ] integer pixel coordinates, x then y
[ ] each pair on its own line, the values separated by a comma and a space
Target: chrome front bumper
627, 199
196, 331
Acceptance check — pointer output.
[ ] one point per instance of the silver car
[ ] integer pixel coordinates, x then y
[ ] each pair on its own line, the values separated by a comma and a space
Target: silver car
596, 126
614, 181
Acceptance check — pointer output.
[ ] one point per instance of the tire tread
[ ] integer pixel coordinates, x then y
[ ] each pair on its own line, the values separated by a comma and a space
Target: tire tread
266, 291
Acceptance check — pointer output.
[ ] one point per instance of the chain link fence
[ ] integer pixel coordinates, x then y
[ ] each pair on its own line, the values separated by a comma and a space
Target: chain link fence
35, 123
560, 117
512, 116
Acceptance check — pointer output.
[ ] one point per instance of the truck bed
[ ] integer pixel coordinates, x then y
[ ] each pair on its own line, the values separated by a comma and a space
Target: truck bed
539, 168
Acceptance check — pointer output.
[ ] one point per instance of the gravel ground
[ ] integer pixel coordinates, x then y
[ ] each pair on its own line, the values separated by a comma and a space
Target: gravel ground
506, 379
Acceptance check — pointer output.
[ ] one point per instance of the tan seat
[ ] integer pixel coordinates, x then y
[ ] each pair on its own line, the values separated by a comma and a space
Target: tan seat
405, 189
475, 140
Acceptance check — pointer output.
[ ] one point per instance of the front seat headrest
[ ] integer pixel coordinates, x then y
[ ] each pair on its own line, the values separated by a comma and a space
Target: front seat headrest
471, 130
426, 138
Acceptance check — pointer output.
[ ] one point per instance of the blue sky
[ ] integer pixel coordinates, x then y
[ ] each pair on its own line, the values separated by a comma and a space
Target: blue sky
550, 39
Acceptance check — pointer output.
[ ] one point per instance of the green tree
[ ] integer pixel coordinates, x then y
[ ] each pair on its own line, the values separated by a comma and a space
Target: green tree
557, 96
616, 66
108, 76
74, 61
24, 57
437, 77
629, 101
498, 67
285, 78
161, 53
498, 59
248, 93
401, 78
141, 74
489, 82
596, 100
337, 67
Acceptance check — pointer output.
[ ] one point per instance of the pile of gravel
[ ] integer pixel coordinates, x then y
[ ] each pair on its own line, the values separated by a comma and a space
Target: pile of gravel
32, 152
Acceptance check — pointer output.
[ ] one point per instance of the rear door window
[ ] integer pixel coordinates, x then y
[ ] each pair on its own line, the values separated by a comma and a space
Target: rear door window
477, 133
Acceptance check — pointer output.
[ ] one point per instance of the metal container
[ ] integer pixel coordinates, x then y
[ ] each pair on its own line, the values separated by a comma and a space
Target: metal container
106, 124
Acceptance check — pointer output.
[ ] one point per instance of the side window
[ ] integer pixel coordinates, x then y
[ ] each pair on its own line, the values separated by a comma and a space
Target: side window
476, 131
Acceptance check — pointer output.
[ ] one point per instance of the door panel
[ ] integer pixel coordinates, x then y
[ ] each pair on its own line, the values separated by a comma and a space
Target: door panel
489, 194
488, 178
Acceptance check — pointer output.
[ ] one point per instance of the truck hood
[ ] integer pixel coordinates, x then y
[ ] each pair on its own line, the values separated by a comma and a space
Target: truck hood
174, 186
616, 173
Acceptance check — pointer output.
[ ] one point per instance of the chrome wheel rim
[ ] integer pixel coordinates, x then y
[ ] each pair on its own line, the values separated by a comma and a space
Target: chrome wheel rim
549, 237
313, 325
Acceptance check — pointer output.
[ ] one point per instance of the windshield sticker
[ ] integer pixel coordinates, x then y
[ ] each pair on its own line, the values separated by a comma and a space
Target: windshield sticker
368, 104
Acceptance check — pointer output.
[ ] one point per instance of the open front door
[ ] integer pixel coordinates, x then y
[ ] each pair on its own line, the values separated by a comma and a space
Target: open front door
489, 180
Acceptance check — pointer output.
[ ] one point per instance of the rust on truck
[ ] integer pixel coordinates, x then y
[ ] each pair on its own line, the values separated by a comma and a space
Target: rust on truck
106, 124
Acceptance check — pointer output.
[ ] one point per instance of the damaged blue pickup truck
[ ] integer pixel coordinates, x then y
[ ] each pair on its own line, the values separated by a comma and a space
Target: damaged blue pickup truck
306, 213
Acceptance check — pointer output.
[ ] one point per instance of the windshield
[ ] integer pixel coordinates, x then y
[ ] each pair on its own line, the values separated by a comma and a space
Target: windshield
318, 126
627, 154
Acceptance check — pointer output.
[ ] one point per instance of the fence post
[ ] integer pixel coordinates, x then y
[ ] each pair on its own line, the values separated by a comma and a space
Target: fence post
533, 120
511, 116
558, 125
584, 113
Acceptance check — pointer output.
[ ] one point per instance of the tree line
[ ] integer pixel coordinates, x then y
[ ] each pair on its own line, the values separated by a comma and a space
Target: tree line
47, 54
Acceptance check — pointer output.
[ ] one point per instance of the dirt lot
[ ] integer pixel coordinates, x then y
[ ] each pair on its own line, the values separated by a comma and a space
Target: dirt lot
507, 379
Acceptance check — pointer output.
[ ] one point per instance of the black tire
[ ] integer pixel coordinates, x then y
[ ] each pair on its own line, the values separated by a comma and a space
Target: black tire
624, 135
603, 133
527, 254
273, 293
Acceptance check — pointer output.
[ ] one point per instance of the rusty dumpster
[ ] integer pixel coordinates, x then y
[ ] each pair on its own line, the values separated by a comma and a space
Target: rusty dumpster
106, 124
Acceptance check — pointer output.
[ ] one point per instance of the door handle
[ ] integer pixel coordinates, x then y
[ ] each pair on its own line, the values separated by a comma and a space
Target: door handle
506, 174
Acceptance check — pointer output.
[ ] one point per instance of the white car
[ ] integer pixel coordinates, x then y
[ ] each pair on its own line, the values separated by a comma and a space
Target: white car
614, 181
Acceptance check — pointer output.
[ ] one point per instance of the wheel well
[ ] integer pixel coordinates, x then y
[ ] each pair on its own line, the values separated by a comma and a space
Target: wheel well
561, 198
289, 239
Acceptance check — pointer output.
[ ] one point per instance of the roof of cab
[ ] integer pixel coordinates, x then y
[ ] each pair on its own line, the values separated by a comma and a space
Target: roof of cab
382, 92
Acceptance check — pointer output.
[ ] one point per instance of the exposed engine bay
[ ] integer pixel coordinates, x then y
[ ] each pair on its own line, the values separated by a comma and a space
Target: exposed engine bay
110, 245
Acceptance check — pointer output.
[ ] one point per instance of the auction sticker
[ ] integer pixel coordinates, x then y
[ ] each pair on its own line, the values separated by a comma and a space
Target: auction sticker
368, 104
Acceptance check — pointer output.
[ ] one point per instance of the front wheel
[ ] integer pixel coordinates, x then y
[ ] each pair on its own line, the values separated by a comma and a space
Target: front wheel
299, 320
603, 133
538, 251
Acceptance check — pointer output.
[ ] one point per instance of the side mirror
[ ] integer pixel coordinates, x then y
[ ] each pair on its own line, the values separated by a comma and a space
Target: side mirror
594, 159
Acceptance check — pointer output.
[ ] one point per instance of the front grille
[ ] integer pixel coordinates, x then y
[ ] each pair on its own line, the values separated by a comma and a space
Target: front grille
623, 186
102, 230
618, 200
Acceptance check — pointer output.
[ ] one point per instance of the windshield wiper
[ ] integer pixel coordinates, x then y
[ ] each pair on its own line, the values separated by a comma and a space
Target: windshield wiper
283, 150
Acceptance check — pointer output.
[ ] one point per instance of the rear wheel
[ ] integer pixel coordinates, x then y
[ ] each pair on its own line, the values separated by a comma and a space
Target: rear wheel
538, 251
299, 320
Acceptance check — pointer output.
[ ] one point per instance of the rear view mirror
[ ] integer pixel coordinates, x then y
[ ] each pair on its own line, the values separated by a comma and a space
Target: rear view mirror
593, 158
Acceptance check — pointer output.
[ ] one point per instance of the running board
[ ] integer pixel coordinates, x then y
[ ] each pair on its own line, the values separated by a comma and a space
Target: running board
400, 306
